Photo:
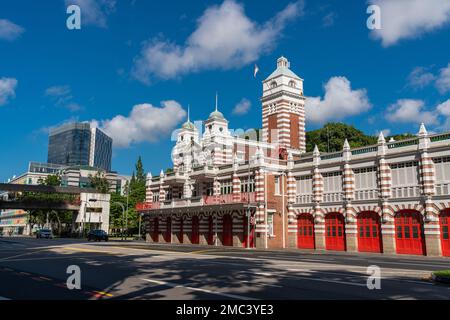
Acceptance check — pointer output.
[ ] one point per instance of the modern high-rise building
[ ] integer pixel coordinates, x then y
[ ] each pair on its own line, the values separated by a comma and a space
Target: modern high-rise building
80, 144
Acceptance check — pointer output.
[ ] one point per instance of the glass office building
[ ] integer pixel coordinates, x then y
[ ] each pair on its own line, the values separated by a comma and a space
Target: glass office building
79, 144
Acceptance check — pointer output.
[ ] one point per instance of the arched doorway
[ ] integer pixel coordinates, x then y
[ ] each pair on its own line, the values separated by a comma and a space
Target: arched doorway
168, 234
444, 222
250, 239
409, 233
335, 232
155, 229
210, 230
227, 232
305, 231
369, 232
195, 236
181, 234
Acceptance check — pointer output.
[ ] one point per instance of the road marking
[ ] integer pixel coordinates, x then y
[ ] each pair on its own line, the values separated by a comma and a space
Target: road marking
4, 299
174, 285
104, 293
263, 274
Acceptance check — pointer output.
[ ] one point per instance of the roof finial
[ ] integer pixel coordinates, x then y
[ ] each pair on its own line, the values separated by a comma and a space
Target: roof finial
217, 101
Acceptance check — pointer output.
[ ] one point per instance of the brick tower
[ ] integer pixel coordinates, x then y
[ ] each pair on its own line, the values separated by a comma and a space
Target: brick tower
283, 105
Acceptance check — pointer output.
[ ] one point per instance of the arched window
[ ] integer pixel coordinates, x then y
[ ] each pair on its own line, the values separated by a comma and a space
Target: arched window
273, 84
292, 84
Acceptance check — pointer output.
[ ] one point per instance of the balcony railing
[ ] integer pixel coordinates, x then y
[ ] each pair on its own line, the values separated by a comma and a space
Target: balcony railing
406, 192
230, 198
304, 198
332, 197
443, 189
366, 194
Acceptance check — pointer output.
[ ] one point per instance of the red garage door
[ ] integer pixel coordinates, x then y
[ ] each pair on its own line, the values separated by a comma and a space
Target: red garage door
369, 228
210, 230
305, 231
444, 221
195, 236
155, 231
227, 234
168, 234
335, 233
409, 233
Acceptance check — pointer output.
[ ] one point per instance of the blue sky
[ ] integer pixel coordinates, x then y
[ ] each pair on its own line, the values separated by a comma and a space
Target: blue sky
156, 57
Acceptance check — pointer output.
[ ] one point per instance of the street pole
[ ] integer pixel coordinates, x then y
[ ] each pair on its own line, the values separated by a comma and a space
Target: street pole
126, 217
248, 205
139, 234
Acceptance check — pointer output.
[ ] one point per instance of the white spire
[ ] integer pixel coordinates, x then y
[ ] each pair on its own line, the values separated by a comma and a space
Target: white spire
316, 152
381, 138
346, 145
423, 130
189, 113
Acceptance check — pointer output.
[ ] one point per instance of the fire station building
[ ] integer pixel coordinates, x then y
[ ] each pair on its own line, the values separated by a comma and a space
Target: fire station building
263, 190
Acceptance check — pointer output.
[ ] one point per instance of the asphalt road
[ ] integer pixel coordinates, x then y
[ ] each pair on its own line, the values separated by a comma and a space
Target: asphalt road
36, 269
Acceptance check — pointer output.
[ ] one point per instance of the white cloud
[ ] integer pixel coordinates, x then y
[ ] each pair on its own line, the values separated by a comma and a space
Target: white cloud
420, 77
443, 80
329, 19
57, 91
7, 89
410, 111
339, 101
94, 12
242, 107
10, 31
405, 19
145, 123
62, 97
225, 38
444, 108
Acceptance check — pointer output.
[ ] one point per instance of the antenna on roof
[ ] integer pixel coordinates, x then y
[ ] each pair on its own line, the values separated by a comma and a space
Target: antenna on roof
217, 101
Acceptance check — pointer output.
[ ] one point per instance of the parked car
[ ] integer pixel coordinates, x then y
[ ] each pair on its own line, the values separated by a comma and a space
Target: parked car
97, 235
44, 233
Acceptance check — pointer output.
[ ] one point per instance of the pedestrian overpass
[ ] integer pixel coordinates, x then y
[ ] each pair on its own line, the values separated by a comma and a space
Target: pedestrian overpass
89, 205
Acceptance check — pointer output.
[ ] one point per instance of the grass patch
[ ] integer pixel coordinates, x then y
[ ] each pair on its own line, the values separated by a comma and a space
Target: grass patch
443, 273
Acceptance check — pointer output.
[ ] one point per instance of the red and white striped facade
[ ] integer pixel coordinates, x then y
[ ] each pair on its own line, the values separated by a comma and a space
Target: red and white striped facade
393, 197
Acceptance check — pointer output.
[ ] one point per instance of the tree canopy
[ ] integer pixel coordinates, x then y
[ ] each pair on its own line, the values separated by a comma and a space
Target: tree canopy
331, 137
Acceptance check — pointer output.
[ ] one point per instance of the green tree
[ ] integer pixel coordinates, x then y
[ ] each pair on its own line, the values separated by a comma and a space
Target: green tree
99, 182
332, 136
50, 180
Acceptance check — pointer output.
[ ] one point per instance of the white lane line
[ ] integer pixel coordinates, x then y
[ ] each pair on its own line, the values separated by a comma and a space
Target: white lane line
175, 285
3, 299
